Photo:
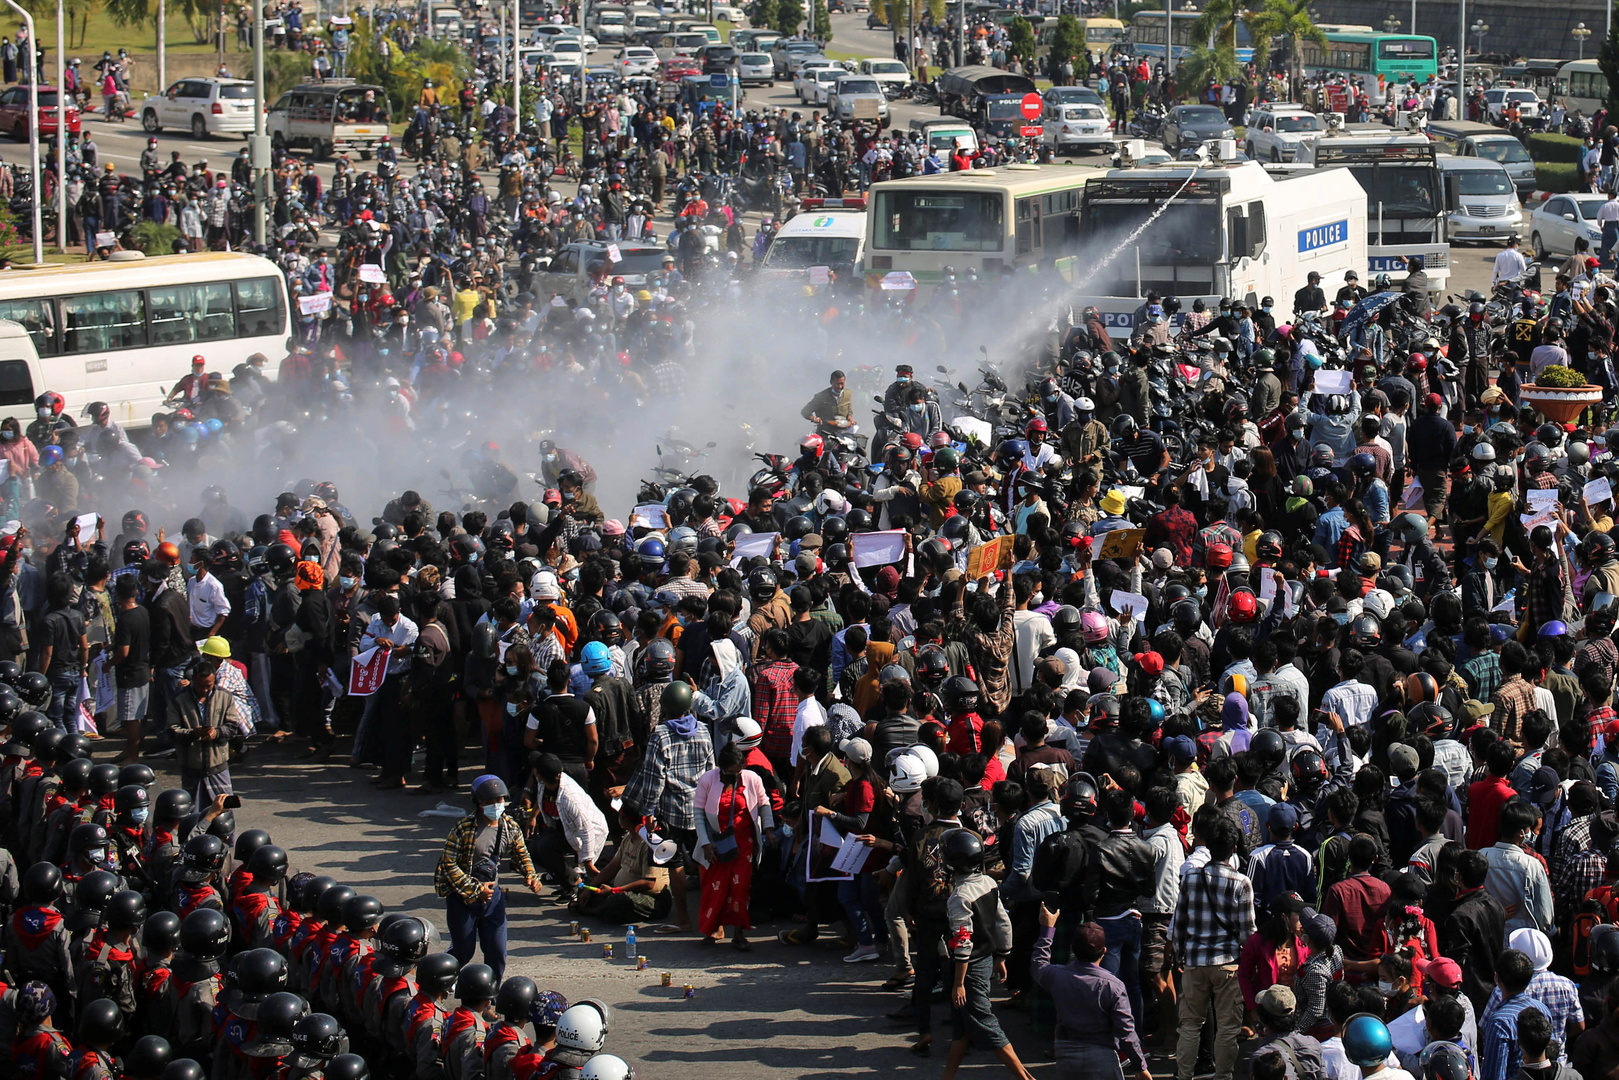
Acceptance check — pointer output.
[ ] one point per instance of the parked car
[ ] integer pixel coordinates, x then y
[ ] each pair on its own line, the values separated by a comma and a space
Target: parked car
14, 112
1496, 101
817, 82
853, 94
636, 60
804, 79
787, 53
1555, 224
755, 69
892, 75
202, 106
1193, 125
1065, 127
1284, 133
732, 15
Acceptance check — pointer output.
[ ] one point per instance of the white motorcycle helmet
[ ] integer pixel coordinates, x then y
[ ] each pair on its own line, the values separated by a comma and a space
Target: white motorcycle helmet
906, 773
583, 1026
607, 1067
929, 760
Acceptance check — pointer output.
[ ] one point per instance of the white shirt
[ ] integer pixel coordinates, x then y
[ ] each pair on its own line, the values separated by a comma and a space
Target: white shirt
810, 714
1608, 211
1032, 635
208, 602
402, 633
1509, 266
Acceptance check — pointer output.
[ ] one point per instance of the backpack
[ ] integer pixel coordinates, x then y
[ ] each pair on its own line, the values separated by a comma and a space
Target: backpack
256, 614
1600, 905
934, 882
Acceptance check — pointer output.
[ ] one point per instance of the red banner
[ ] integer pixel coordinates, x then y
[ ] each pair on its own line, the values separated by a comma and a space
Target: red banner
366, 672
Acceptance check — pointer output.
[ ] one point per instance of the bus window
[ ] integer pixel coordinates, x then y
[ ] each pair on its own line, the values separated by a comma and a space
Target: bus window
938, 221
16, 385
1028, 225
258, 308
98, 322
38, 317
187, 313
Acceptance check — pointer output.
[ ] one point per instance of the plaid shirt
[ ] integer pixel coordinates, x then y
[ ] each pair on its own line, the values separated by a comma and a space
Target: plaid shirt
1570, 840
1482, 674
1560, 996
666, 780
1577, 876
1546, 590
1218, 533
454, 870
1600, 654
1350, 544
775, 706
1215, 916
1175, 529
1513, 700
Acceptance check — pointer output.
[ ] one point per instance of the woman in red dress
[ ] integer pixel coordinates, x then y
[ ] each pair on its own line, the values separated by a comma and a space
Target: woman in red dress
733, 822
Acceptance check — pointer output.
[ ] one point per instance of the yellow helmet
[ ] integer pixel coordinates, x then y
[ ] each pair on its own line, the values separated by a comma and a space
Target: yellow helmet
216, 647
644, 296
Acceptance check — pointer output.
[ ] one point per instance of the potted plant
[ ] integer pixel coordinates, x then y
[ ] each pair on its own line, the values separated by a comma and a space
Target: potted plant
1561, 394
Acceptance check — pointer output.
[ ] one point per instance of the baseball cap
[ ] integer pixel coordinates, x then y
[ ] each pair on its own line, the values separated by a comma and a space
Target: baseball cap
1435, 400
1544, 785
1288, 901
855, 750
1277, 1002
1442, 970
1281, 816
1403, 758
1473, 710
1181, 749
1151, 663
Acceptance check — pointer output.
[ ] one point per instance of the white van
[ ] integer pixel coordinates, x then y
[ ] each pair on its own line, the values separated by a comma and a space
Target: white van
944, 135
1481, 201
1467, 139
825, 232
446, 22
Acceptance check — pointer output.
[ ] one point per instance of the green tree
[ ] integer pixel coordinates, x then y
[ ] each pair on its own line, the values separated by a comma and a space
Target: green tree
789, 15
1289, 20
762, 13
200, 15
1218, 23
899, 16
1203, 65
1020, 39
822, 31
1067, 42
1608, 60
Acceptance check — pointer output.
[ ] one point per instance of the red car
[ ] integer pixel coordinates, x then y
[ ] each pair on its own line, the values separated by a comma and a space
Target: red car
14, 112
679, 67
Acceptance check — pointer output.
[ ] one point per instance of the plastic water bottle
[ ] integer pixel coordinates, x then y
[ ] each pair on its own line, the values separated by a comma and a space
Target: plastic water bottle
629, 944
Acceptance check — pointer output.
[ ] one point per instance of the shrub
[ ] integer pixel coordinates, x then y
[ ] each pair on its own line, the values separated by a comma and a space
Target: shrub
1556, 176
155, 239
1546, 146
1559, 376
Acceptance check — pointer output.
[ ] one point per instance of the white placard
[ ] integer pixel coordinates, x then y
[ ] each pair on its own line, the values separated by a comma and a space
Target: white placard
106, 239
1598, 491
315, 303
851, 856
830, 836
751, 544
650, 516
1267, 583
87, 526
1532, 521
898, 281
1333, 382
1132, 492
373, 273
1411, 499
1134, 601
820, 275
877, 548
613, 254
1542, 498
1508, 602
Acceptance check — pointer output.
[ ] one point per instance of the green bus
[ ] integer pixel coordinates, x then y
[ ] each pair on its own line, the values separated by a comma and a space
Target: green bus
1373, 56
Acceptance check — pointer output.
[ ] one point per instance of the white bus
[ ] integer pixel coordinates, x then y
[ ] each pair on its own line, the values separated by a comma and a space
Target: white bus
1228, 231
1581, 85
1020, 216
124, 331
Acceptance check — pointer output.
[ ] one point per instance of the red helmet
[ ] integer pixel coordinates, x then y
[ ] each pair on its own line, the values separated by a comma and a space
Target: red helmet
812, 444
1218, 556
939, 440
1417, 362
912, 441
51, 400
1242, 606
1036, 425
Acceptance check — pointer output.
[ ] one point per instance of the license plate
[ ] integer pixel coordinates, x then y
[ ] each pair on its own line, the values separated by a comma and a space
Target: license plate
1486, 228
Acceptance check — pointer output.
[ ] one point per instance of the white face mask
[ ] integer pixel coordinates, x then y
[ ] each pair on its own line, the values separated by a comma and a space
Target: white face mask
1385, 988
139, 815
494, 810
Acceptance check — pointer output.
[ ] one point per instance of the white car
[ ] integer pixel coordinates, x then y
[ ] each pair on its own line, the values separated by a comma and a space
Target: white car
755, 69
1496, 100
202, 106
1282, 134
1064, 126
550, 32
804, 88
824, 82
635, 60
568, 48
732, 15
892, 75
1556, 223
848, 94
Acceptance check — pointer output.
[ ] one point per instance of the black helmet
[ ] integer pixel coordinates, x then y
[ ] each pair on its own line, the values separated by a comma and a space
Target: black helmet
515, 996
43, 747
131, 797
932, 666
956, 529
798, 527
304, 889
173, 805
259, 973
42, 884
126, 910
436, 974
183, 1069
85, 836
10, 672
268, 865
1080, 798
400, 946
90, 899
227, 556
280, 558
675, 700
1124, 427
35, 688
1549, 433
315, 1038
11, 704
202, 857
75, 773
160, 934
329, 904
347, 1067
274, 1022
101, 1022
658, 660
604, 626
223, 826
1065, 620
961, 695
937, 554
474, 985
1605, 950
1445, 1061
136, 773
147, 1059
489, 789
103, 779
1366, 631
362, 912
25, 729
962, 851
858, 520
205, 934
835, 529
1268, 746
1309, 771
762, 583
249, 842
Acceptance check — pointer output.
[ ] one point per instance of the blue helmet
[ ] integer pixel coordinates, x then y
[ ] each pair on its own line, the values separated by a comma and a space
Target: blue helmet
1156, 707
651, 552
1364, 464
1366, 1040
547, 1009
35, 1001
1555, 628
596, 659
50, 455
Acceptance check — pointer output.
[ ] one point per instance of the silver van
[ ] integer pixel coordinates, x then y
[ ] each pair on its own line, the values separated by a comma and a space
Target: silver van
1480, 200
1467, 139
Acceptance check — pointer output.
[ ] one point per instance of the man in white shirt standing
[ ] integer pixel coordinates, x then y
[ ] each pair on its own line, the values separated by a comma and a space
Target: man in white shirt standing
1509, 264
1032, 635
390, 630
1608, 222
206, 596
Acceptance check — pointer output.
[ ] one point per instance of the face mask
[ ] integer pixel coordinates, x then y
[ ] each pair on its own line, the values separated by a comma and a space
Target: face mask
918, 407
1266, 309
97, 855
1340, 617
511, 669
44, 414
1037, 599
494, 810
1467, 429
1489, 562
8, 435
346, 583
903, 378
139, 815
1385, 988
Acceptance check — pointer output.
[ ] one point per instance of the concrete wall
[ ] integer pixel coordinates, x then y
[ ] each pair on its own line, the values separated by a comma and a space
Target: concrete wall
1526, 30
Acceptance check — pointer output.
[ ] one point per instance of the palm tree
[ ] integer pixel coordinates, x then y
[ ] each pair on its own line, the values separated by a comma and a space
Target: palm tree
1202, 65
1218, 23
1289, 20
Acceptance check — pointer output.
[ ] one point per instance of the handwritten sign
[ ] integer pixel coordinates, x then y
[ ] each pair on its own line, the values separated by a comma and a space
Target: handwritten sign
650, 516
750, 544
1542, 498
820, 275
877, 548
315, 303
898, 281
1599, 490
1122, 543
1135, 602
990, 557
366, 672
613, 254
373, 273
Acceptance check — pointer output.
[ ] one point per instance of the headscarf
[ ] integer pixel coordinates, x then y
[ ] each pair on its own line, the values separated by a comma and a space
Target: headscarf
310, 576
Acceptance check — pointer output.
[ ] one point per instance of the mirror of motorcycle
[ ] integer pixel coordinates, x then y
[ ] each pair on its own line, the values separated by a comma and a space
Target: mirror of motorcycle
877, 399
963, 388
985, 350
941, 369
710, 445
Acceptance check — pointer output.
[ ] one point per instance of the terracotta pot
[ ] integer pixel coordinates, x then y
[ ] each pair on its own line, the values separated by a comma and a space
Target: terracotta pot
1561, 404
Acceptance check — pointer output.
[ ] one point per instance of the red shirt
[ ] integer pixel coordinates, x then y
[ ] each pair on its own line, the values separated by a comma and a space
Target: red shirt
1484, 801
1358, 904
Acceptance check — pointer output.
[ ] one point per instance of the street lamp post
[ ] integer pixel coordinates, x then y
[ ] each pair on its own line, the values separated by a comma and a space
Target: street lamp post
61, 132
1581, 32
258, 153
1413, 16
1391, 25
1480, 28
